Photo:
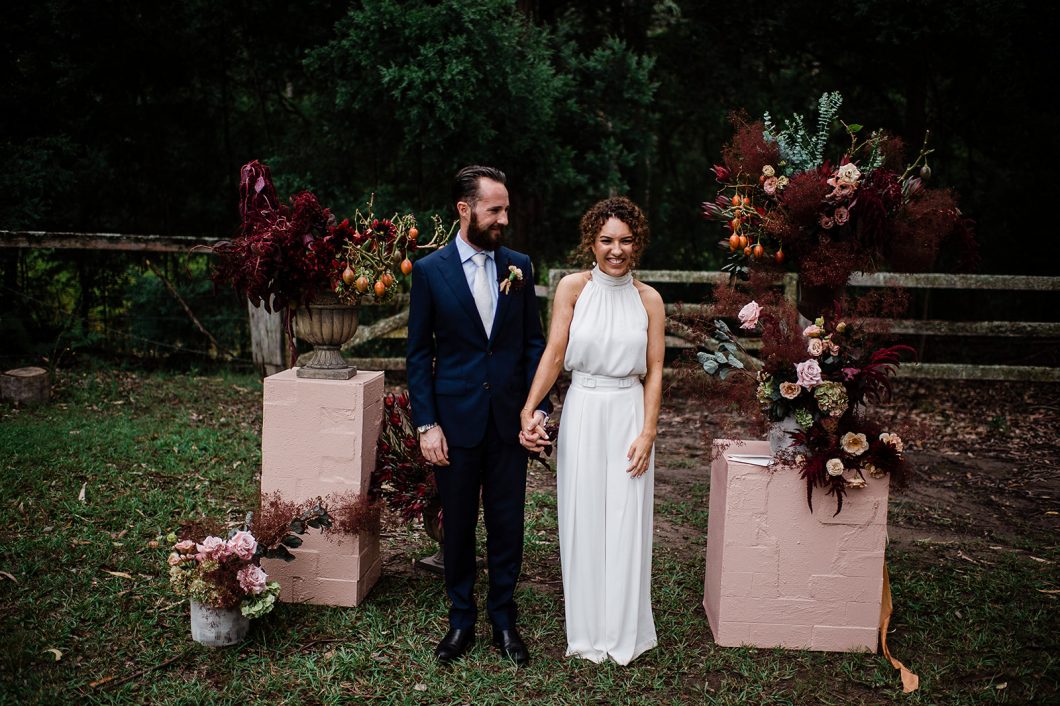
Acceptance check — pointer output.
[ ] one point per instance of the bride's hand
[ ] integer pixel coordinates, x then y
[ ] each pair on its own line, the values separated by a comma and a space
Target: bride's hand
532, 434
640, 455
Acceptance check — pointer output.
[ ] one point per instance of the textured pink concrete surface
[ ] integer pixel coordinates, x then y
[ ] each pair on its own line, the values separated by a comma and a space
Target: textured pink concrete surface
779, 576
318, 438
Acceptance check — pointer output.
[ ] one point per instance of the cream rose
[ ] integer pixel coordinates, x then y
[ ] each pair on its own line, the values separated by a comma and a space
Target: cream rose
768, 170
790, 390
854, 444
815, 347
834, 467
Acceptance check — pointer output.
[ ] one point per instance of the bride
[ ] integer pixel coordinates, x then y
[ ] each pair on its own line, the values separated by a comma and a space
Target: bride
608, 330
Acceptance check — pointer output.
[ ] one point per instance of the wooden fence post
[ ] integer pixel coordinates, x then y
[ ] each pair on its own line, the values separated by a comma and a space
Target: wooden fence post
267, 339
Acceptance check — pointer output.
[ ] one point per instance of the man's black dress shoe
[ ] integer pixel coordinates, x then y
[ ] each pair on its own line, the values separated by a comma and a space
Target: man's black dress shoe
511, 645
455, 643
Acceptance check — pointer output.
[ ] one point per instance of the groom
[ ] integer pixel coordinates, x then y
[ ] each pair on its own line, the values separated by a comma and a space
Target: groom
473, 348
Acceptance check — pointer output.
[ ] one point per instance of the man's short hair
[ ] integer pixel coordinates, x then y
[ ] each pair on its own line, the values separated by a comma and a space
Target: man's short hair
465, 184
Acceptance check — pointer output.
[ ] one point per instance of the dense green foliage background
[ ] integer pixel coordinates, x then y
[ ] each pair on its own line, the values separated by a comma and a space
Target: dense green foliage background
135, 118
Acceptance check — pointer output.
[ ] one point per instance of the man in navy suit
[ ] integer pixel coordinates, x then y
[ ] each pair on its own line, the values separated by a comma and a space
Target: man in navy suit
473, 348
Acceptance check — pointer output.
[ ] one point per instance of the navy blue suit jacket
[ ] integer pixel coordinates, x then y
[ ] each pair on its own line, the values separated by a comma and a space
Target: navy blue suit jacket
456, 373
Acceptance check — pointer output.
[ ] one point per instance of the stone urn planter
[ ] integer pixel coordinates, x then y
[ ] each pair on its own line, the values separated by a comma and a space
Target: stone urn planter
217, 627
326, 324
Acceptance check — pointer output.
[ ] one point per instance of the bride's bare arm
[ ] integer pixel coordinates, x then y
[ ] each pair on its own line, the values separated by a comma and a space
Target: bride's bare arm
640, 451
551, 363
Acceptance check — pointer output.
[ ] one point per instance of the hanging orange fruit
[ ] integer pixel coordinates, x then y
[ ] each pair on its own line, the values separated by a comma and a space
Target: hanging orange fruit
406, 266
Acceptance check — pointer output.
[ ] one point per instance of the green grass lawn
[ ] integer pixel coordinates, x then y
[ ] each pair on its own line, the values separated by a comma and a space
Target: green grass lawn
150, 450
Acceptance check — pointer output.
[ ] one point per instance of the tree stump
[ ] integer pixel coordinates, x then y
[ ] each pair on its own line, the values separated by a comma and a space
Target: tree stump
25, 386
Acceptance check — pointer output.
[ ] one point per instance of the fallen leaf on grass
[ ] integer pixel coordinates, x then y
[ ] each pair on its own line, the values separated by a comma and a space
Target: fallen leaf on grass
8, 576
98, 682
1049, 590
119, 574
1044, 561
420, 687
1001, 686
81, 495
58, 654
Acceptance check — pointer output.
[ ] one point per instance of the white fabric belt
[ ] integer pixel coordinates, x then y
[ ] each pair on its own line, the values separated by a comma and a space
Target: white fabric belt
586, 380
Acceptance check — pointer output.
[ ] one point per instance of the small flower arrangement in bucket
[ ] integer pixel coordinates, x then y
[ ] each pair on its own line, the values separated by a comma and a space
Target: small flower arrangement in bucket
223, 578
814, 384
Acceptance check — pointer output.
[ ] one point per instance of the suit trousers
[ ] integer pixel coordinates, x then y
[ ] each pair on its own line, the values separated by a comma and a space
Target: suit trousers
497, 470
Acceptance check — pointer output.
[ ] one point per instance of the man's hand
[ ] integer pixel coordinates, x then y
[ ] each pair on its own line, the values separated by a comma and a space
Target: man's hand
434, 447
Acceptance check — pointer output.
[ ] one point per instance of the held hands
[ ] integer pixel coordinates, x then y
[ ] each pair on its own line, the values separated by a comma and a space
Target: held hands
640, 454
434, 447
532, 433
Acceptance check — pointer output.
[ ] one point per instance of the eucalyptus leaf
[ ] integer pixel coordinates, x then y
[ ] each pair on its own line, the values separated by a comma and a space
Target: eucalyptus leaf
724, 373
291, 541
735, 362
710, 366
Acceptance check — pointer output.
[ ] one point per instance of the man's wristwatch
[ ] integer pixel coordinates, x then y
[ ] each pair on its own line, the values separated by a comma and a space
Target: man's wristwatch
426, 427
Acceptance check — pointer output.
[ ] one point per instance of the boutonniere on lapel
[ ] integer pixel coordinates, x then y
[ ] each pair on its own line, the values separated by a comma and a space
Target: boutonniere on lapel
512, 280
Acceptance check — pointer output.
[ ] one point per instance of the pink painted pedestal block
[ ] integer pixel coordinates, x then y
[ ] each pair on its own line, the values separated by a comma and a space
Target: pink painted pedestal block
779, 576
318, 437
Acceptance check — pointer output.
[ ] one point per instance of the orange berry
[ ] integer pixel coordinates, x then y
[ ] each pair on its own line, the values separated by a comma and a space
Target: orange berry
380, 288
349, 276
779, 257
734, 242
743, 241
735, 223
759, 251
414, 233
747, 251
387, 279
406, 266
735, 200
744, 200
361, 285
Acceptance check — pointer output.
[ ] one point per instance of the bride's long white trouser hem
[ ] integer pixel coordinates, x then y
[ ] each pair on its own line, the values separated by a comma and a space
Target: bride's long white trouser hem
605, 523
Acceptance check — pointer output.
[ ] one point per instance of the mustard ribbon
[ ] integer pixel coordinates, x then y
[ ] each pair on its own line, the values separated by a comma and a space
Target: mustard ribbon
910, 681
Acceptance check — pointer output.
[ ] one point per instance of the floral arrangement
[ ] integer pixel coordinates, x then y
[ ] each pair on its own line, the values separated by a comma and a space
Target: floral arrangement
226, 572
403, 477
784, 204
288, 254
820, 377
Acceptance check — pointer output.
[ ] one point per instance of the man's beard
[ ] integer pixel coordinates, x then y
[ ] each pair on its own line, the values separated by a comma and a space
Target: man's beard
487, 239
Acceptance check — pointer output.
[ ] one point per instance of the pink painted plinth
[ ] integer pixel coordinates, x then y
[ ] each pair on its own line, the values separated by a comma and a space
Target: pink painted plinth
779, 576
318, 438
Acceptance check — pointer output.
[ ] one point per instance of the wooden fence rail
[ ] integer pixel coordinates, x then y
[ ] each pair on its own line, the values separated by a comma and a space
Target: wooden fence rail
268, 336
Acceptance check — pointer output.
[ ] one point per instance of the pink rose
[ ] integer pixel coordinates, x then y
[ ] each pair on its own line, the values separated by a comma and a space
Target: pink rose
212, 548
184, 547
252, 579
243, 545
770, 185
174, 559
826, 222
816, 347
749, 315
833, 348
842, 215
812, 331
809, 373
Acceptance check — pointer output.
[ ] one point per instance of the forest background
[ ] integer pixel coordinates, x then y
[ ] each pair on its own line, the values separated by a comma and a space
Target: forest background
135, 118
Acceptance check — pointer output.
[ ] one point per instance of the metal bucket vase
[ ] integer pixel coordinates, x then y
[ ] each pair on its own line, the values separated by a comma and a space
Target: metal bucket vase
433, 526
326, 324
218, 627
779, 437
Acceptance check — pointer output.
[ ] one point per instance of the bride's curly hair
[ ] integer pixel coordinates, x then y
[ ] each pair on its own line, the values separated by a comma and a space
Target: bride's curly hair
599, 213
